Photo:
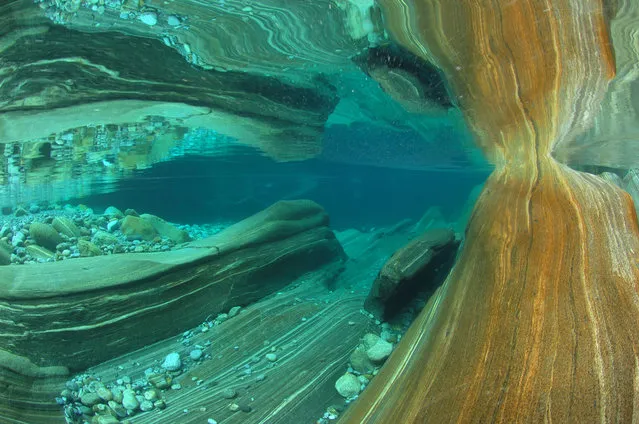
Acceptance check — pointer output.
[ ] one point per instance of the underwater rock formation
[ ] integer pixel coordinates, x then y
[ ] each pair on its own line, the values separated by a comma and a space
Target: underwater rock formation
416, 267
537, 322
92, 92
66, 316
123, 73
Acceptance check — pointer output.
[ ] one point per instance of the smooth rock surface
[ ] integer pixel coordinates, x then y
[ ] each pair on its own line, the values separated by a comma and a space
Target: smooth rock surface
166, 229
421, 264
137, 228
348, 385
240, 265
45, 235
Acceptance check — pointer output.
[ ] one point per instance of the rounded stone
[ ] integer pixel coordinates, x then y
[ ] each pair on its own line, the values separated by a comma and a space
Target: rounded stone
172, 362
129, 401
348, 385
118, 409
229, 393
112, 211
369, 340
45, 235
146, 405
196, 354
380, 351
151, 395
105, 419
104, 393
90, 399
149, 18
271, 357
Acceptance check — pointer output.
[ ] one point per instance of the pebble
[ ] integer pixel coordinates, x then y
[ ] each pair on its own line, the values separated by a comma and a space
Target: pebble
172, 362
106, 419
234, 311
229, 393
369, 340
119, 410
173, 20
118, 394
146, 405
211, 421
271, 357
129, 401
348, 385
105, 394
104, 231
151, 394
18, 239
90, 399
380, 351
149, 18
196, 354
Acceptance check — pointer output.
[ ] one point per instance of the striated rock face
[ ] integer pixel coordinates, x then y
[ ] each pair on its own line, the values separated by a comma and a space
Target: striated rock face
86, 305
420, 265
537, 320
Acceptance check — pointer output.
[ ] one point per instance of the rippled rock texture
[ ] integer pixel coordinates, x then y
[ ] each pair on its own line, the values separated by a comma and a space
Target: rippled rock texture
537, 322
66, 316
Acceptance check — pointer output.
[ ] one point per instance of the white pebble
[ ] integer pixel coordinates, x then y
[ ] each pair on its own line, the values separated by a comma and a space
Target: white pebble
271, 357
196, 354
211, 421
173, 20
172, 362
149, 18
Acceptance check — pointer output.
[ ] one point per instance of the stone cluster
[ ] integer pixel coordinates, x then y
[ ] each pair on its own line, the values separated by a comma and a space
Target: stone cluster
52, 233
89, 398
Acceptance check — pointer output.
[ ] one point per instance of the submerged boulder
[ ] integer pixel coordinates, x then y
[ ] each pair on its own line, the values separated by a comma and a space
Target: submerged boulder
166, 229
418, 266
135, 228
66, 226
5, 253
45, 235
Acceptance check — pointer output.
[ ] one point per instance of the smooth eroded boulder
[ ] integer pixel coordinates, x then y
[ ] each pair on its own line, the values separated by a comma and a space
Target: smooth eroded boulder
45, 235
418, 266
136, 228
166, 229
66, 226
